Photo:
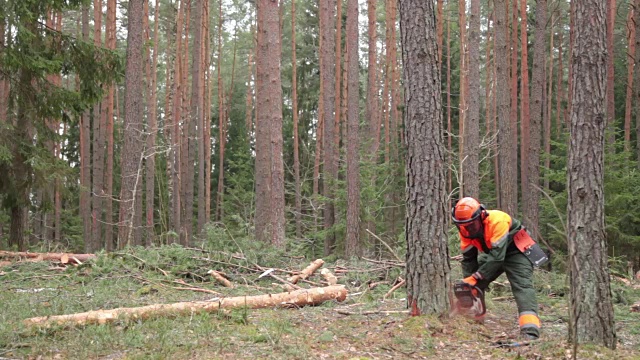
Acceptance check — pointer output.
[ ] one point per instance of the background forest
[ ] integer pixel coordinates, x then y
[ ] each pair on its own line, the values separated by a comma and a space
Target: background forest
176, 151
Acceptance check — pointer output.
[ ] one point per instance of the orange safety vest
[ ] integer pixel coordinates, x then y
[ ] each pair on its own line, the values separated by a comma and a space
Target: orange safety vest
496, 231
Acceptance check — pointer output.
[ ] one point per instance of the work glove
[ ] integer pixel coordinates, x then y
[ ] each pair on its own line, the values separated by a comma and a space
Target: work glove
471, 280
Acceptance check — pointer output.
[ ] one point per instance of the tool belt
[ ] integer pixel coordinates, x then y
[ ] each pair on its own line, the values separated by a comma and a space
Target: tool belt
530, 248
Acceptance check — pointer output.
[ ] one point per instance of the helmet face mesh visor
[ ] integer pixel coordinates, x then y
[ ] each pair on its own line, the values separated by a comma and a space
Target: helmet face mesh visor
471, 228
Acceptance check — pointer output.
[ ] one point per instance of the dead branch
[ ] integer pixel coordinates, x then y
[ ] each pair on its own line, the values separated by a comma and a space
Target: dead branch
221, 279
385, 244
315, 265
297, 298
384, 262
386, 312
394, 288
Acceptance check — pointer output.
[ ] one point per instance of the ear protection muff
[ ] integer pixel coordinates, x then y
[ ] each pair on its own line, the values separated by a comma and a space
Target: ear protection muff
482, 211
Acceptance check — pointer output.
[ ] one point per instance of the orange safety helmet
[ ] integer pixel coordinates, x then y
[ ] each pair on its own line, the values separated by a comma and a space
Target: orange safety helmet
468, 215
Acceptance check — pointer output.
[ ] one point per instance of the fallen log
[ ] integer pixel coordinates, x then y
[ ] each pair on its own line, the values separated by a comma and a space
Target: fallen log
298, 298
221, 279
315, 265
65, 258
329, 277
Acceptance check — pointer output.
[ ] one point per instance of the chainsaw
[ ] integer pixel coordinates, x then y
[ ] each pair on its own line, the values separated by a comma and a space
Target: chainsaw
469, 300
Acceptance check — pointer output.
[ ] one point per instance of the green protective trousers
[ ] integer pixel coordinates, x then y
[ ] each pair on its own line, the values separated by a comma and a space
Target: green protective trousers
519, 271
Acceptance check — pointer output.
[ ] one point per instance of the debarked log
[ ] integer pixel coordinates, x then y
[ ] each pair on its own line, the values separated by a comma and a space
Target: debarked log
65, 258
298, 298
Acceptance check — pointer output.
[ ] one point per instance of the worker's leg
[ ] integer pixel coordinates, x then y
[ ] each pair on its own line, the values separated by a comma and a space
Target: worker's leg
519, 271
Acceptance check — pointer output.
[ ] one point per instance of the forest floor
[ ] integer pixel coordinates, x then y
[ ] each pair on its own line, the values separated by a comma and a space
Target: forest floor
364, 326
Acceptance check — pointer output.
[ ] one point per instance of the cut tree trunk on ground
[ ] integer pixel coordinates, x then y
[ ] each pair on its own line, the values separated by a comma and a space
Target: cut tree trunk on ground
299, 298
221, 279
329, 277
65, 258
315, 265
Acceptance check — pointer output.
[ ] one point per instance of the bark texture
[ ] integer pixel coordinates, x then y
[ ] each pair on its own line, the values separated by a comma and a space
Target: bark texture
328, 94
507, 150
472, 119
270, 220
530, 211
590, 310
353, 246
132, 127
428, 267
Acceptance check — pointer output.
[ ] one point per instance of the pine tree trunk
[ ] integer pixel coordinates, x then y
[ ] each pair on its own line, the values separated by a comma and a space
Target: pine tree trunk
249, 102
294, 100
524, 108
428, 267
440, 28
133, 139
196, 122
99, 133
270, 220
185, 168
152, 129
506, 135
547, 117
611, 111
111, 44
560, 89
636, 77
328, 73
372, 115
352, 245
85, 158
531, 212
590, 306
176, 142
221, 121
462, 103
449, 128
472, 118
631, 44
339, 74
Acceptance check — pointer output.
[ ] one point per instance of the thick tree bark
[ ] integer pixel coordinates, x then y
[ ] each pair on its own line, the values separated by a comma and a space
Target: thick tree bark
353, 246
531, 212
328, 73
591, 309
506, 136
270, 220
428, 265
472, 117
133, 139
298, 298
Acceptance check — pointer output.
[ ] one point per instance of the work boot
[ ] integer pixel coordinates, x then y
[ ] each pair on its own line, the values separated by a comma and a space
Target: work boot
528, 336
